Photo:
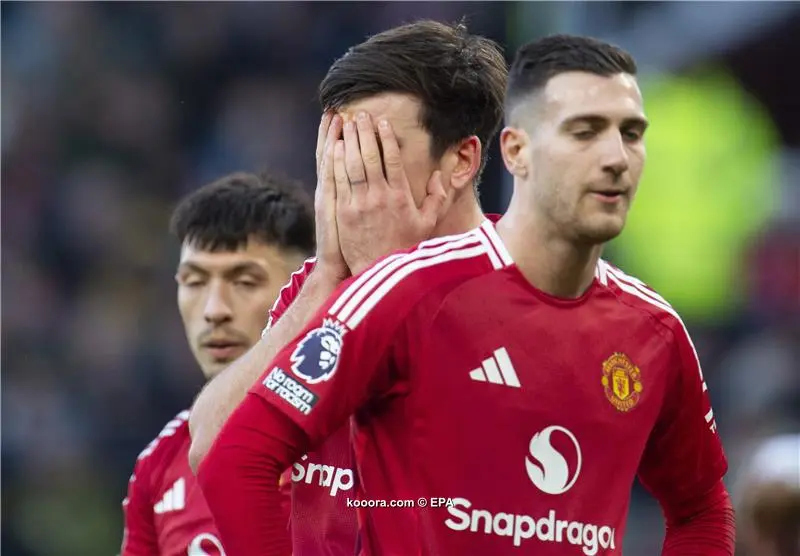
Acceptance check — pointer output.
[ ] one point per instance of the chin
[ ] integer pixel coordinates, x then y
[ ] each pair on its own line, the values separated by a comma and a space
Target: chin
212, 369
602, 230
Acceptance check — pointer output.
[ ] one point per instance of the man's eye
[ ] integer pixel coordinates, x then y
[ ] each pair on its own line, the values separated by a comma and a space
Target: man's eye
584, 135
632, 135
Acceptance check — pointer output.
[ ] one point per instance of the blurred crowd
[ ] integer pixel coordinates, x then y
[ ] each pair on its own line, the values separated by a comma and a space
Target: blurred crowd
111, 112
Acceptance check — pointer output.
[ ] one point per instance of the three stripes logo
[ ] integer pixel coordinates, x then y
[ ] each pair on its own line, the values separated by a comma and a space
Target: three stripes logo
174, 499
496, 370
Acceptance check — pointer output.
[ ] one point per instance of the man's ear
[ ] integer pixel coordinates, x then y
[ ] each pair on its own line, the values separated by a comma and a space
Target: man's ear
514, 143
465, 161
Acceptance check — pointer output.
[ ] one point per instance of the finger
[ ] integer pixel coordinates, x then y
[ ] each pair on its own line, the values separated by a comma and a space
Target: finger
392, 163
326, 185
334, 130
352, 159
343, 194
436, 196
322, 134
370, 153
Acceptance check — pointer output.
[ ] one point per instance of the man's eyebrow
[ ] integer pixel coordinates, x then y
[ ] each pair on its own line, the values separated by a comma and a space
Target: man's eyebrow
188, 266
596, 120
244, 268
235, 270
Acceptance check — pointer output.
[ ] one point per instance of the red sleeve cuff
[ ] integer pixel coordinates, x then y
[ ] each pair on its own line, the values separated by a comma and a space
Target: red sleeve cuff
240, 479
702, 526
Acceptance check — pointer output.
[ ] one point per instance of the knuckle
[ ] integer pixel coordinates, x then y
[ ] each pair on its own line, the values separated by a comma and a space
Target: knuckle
392, 162
372, 158
362, 207
399, 202
379, 202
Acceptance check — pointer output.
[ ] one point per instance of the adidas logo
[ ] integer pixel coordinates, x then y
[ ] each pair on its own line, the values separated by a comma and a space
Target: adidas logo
497, 370
174, 499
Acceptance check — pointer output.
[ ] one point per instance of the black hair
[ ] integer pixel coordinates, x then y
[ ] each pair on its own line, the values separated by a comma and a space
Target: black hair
226, 214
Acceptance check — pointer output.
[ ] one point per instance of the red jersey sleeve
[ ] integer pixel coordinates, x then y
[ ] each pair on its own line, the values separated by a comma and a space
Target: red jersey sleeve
684, 456
342, 358
347, 354
139, 536
286, 297
289, 292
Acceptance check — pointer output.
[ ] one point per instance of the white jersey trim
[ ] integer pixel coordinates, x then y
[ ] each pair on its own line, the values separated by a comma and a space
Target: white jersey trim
637, 288
355, 303
303, 269
497, 243
386, 271
169, 430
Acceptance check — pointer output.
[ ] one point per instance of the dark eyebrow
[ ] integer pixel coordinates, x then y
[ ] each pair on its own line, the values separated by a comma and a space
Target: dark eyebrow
640, 123
244, 268
236, 270
191, 267
600, 121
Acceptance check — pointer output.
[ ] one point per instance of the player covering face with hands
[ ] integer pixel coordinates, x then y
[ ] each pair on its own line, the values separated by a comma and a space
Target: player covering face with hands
381, 187
511, 352
364, 187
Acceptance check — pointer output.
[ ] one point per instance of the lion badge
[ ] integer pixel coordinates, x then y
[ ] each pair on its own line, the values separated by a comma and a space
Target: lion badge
317, 355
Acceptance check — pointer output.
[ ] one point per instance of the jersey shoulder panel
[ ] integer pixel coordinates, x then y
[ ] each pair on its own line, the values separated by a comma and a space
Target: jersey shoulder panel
289, 292
164, 446
399, 281
641, 298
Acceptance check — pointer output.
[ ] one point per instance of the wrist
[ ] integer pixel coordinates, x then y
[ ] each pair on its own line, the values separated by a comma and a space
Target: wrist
325, 279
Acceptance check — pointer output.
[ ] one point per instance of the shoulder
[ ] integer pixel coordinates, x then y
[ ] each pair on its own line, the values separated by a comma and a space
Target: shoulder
398, 282
296, 280
289, 292
158, 454
170, 440
643, 300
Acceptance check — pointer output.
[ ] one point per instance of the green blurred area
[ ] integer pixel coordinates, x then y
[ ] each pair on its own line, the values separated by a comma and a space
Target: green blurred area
708, 186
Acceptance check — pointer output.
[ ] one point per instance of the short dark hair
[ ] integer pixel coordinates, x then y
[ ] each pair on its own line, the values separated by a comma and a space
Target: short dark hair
226, 214
536, 62
459, 79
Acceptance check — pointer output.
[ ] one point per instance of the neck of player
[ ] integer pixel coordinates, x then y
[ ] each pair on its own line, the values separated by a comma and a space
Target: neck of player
462, 216
551, 262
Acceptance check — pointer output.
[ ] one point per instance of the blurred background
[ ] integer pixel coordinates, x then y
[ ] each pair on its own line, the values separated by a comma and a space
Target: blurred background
111, 112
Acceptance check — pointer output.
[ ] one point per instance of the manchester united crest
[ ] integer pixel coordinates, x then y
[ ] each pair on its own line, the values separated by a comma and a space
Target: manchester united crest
622, 382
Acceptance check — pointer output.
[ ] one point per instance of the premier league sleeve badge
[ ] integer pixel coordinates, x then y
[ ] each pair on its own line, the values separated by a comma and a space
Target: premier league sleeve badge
317, 355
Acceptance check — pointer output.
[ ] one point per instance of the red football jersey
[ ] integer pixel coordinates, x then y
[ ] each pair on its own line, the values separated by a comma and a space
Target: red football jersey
165, 512
321, 522
490, 416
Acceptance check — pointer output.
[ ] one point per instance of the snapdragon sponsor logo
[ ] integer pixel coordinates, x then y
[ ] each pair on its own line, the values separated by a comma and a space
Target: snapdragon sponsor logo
554, 470
521, 528
205, 544
326, 476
